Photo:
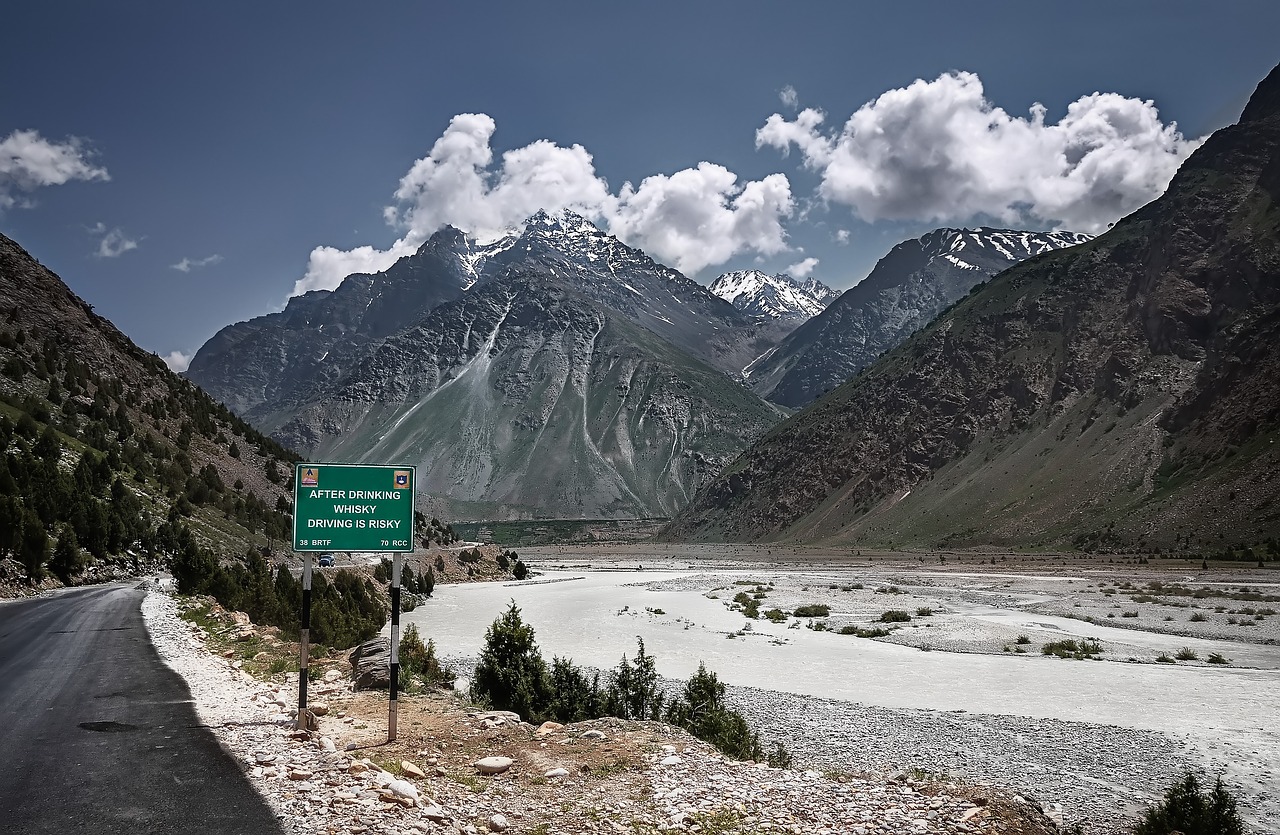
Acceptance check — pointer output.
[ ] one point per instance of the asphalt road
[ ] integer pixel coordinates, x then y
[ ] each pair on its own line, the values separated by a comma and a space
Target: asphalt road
97, 735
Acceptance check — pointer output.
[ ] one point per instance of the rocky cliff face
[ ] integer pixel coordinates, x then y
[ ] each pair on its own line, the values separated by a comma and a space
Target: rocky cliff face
911, 285
555, 372
1125, 392
526, 398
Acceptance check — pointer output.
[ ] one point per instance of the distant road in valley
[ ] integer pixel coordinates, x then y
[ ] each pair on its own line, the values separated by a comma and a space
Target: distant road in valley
99, 736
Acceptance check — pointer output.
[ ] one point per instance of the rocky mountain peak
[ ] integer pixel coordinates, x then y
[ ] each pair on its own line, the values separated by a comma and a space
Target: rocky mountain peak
1265, 101
773, 296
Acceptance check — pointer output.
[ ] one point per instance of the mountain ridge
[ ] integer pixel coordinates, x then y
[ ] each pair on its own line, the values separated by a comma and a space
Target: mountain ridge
1124, 393
907, 288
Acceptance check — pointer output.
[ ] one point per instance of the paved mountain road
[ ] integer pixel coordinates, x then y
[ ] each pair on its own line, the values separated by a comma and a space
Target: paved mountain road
97, 735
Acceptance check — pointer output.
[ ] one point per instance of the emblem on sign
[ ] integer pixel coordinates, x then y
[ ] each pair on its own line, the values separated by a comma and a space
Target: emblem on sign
310, 477
402, 479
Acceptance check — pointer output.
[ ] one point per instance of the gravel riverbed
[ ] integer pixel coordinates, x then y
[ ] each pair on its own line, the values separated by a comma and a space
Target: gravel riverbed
868, 759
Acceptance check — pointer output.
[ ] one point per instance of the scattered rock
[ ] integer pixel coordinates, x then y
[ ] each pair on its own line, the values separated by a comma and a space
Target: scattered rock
493, 765
498, 823
371, 664
410, 770
403, 788
557, 772
593, 734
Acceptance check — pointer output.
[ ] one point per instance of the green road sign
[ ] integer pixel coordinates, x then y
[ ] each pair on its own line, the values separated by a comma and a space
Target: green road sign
353, 507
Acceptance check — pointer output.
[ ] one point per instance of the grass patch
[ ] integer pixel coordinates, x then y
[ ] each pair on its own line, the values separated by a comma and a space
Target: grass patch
1186, 654
1070, 648
873, 632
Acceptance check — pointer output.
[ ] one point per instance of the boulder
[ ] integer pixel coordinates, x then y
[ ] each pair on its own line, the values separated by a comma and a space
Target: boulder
371, 664
493, 765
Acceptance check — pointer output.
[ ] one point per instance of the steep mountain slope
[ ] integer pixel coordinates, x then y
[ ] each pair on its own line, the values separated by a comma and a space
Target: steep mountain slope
525, 397
773, 296
276, 357
108, 453
275, 361
911, 285
555, 372
1122, 393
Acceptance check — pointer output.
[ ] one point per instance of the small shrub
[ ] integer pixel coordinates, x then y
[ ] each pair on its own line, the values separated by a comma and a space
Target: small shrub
1186, 654
1071, 649
1198, 618
1165, 658
1218, 658
924, 612
813, 610
1189, 810
895, 616
776, 615
1023, 639
1132, 614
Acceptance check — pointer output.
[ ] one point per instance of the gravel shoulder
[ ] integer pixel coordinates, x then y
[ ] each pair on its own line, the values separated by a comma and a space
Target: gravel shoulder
600, 776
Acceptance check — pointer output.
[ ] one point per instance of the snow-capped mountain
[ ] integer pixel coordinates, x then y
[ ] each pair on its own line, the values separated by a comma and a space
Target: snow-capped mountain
916, 281
773, 296
552, 371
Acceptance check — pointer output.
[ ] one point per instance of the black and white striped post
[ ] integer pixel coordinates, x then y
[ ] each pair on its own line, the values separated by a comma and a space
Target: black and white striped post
305, 639
396, 561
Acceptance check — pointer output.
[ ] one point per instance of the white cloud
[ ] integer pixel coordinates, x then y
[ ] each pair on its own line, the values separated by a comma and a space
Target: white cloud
28, 162
327, 265
113, 242
691, 219
940, 151
186, 265
842, 236
789, 97
802, 269
701, 216
177, 361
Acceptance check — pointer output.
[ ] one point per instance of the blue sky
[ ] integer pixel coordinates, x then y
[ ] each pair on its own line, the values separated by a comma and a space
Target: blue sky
186, 167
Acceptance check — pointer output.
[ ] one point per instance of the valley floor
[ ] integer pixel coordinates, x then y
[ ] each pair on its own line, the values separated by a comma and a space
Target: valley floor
963, 687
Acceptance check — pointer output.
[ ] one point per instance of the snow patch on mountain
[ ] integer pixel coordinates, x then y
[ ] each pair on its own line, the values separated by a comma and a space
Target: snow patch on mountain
773, 296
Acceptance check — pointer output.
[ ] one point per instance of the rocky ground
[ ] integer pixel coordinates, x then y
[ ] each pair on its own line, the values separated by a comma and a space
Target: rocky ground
454, 769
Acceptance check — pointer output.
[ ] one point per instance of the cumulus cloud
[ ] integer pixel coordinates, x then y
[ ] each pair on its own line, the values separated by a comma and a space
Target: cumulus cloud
186, 265
28, 162
802, 269
940, 151
177, 361
691, 219
112, 243
842, 236
327, 265
701, 216
789, 97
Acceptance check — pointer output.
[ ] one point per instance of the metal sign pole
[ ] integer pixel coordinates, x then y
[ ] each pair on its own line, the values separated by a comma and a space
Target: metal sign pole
397, 559
305, 639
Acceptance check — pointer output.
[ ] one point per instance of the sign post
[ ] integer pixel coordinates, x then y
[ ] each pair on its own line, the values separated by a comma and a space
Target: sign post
395, 644
357, 508
305, 641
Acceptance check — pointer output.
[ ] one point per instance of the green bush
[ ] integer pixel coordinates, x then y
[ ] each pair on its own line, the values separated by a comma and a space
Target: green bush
1189, 810
700, 709
419, 660
1069, 648
511, 674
